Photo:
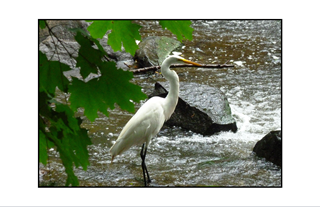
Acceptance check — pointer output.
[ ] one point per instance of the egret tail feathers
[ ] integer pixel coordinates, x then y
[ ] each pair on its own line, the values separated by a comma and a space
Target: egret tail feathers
119, 147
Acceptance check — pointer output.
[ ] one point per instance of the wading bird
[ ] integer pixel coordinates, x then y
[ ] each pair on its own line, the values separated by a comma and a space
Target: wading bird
149, 119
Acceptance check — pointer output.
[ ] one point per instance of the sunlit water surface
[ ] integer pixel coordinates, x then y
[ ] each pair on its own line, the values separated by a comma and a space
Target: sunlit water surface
181, 158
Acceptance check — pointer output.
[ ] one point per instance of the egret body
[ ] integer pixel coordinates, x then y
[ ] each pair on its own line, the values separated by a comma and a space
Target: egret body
149, 119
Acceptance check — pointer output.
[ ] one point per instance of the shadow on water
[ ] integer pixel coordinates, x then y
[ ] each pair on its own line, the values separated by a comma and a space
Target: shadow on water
180, 158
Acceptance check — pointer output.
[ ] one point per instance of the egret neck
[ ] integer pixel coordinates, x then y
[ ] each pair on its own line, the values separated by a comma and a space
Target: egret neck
172, 98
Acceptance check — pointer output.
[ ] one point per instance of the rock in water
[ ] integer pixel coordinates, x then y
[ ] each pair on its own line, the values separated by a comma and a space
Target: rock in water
270, 147
194, 118
153, 50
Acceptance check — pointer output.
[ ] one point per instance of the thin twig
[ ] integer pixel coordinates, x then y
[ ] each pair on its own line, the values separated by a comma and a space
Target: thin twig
126, 65
106, 58
71, 56
51, 32
154, 68
56, 49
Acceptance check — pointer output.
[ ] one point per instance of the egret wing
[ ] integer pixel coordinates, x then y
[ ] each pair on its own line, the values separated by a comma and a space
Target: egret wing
144, 125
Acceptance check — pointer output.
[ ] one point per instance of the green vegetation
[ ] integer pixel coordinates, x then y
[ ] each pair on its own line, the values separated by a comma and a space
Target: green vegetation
58, 126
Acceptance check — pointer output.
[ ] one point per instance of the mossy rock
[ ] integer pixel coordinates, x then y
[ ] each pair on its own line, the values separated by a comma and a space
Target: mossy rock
153, 50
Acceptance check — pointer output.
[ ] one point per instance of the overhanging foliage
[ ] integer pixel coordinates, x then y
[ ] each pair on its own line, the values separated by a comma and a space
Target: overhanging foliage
58, 126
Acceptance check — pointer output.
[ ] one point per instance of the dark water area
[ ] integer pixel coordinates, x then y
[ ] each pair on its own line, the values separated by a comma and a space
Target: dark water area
182, 158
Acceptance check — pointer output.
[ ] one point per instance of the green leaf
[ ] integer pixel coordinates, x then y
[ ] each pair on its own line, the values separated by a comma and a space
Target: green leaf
100, 94
71, 142
120, 90
44, 144
42, 24
66, 158
87, 95
51, 75
123, 32
87, 35
88, 58
181, 28
76, 145
67, 115
99, 28
43, 156
63, 130
44, 108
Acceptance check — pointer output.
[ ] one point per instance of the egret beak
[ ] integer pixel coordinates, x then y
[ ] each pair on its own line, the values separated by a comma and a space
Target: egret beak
190, 62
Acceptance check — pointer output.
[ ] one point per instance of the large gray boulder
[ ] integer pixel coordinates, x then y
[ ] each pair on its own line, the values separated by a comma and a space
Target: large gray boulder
154, 49
205, 117
61, 50
61, 28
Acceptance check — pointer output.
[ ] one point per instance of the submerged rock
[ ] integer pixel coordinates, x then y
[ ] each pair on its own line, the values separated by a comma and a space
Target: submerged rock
153, 50
270, 147
194, 118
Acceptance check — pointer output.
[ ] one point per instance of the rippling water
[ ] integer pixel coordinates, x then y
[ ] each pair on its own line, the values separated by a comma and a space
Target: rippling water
180, 158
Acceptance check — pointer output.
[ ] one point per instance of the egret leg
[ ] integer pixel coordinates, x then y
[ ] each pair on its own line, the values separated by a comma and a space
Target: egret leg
145, 166
143, 154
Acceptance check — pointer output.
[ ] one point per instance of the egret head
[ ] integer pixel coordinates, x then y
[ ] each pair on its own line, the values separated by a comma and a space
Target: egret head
175, 59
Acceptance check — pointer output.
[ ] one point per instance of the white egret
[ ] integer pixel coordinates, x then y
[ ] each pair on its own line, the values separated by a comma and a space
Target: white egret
149, 119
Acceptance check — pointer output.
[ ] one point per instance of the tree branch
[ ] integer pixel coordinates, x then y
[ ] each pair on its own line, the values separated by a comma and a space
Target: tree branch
155, 68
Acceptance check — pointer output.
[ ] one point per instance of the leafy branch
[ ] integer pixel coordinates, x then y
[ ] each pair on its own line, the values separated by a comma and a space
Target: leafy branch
58, 126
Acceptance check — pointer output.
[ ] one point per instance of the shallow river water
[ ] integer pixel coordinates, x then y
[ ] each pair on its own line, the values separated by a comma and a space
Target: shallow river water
181, 158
